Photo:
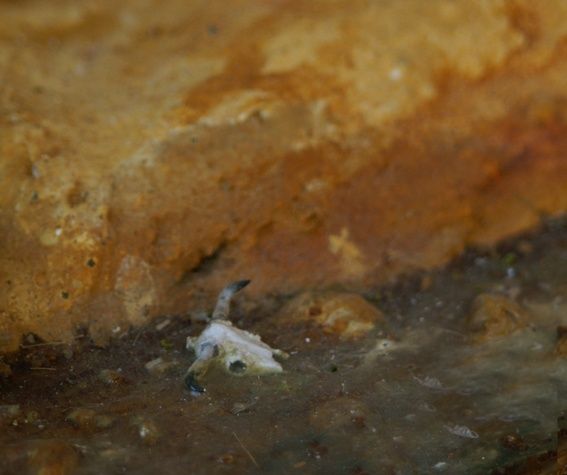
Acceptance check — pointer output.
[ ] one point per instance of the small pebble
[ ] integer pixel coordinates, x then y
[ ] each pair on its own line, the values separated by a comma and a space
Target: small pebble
103, 421
30, 339
114, 453
147, 430
160, 365
81, 418
110, 376
9, 413
68, 352
31, 417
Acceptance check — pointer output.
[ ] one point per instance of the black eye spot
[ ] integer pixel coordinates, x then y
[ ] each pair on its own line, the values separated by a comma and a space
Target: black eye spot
237, 367
91, 263
192, 384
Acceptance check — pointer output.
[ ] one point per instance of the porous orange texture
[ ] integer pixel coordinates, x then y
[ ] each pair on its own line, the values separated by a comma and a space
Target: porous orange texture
151, 151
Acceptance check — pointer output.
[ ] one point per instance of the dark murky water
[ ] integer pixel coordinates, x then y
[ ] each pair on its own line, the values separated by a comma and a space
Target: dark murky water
428, 395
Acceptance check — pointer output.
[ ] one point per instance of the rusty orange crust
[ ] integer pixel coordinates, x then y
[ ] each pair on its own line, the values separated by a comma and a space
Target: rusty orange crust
150, 153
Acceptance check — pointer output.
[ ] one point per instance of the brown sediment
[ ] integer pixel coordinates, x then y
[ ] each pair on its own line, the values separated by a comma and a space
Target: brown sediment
488, 402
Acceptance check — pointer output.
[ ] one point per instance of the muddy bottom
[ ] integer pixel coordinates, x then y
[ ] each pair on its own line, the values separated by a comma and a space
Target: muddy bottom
466, 376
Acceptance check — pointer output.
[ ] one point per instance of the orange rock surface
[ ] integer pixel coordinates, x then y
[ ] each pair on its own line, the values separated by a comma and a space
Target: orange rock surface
496, 316
348, 316
152, 151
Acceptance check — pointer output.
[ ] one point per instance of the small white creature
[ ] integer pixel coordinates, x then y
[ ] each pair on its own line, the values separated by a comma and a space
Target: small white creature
239, 351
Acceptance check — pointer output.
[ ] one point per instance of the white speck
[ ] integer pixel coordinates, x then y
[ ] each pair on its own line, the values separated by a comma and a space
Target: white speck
144, 431
308, 340
428, 407
396, 73
510, 272
440, 466
151, 365
316, 184
58, 231
481, 261
462, 431
429, 382
35, 171
116, 329
160, 326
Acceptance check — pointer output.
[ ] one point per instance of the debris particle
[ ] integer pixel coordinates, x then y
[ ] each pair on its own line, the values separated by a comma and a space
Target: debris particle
199, 316
429, 382
462, 431
166, 344
346, 315
110, 376
509, 259
513, 442
161, 325
30, 338
316, 450
396, 73
239, 351
103, 421
440, 466
81, 418
383, 347
160, 365
9, 413
250, 456
147, 430
239, 407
